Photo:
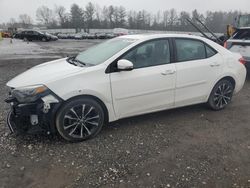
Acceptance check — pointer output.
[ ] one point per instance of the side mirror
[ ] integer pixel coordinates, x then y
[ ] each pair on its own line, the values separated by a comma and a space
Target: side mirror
125, 65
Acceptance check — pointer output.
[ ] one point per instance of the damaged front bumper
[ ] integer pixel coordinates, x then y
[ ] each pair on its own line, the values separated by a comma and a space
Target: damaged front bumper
35, 117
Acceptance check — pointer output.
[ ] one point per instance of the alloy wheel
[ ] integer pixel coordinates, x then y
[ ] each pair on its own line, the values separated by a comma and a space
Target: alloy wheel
81, 121
223, 95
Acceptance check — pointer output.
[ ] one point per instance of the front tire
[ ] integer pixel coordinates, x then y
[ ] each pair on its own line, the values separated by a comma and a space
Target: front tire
80, 119
221, 95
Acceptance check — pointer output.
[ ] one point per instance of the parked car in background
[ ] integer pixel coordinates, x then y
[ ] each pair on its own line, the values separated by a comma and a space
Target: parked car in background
6, 35
120, 31
110, 35
62, 36
71, 35
32, 35
50, 36
123, 77
240, 43
91, 36
84, 35
81, 35
105, 35
100, 35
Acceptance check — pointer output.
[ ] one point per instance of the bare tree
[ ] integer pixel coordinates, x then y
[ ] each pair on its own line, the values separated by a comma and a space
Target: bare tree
89, 13
94, 16
122, 16
98, 14
25, 20
183, 19
111, 15
44, 15
166, 15
12, 23
105, 17
77, 18
116, 17
132, 17
173, 18
61, 14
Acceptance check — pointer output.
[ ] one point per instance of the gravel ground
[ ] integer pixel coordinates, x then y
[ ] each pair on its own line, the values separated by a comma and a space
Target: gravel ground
186, 147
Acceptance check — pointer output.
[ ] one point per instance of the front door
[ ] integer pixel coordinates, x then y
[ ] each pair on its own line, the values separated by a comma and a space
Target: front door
150, 86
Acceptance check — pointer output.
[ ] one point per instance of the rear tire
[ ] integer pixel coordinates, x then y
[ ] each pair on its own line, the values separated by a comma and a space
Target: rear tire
80, 119
44, 39
221, 95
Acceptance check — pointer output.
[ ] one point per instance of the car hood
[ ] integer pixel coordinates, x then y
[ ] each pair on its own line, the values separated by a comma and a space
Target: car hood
44, 73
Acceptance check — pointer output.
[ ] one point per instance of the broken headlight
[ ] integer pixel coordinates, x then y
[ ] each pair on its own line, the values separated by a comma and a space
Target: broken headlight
29, 94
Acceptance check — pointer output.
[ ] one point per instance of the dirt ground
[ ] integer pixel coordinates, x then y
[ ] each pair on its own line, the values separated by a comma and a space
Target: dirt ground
186, 147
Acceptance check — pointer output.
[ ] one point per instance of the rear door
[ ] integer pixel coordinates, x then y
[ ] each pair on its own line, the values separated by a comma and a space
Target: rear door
198, 66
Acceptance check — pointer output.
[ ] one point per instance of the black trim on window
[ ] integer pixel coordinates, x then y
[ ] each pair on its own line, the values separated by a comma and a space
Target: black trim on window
112, 66
172, 50
215, 51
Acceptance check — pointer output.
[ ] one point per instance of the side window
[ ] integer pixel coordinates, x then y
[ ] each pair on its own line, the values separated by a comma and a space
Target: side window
152, 53
188, 50
210, 51
30, 32
35, 33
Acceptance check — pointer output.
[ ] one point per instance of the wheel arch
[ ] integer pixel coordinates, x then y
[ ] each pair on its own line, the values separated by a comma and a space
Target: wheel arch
104, 107
228, 77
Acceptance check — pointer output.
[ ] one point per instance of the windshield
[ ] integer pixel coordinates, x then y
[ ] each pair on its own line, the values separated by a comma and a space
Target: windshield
102, 52
46, 33
244, 21
39, 32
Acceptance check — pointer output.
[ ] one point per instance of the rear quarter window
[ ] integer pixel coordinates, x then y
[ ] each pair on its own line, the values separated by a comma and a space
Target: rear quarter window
210, 51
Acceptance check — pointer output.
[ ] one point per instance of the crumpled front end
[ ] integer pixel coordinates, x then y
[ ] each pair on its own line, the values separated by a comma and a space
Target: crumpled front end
33, 117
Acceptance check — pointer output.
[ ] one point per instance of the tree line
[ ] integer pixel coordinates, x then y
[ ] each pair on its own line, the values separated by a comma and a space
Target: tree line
92, 16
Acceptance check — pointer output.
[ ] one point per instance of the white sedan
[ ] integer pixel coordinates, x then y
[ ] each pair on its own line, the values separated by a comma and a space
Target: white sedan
123, 77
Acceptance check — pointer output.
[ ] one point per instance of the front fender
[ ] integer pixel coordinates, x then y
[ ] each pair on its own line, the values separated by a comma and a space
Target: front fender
87, 82
106, 101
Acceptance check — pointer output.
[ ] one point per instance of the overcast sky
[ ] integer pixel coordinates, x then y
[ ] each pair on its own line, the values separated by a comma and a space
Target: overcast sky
13, 8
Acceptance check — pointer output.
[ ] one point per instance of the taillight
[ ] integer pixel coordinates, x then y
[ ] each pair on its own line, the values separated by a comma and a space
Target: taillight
225, 44
242, 61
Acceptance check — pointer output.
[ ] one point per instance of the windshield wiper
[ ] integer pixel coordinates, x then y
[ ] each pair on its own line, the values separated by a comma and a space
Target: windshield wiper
69, 60
76, 62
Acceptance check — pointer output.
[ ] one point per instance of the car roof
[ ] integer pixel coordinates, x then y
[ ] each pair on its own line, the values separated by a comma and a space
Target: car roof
146, 37
155, 36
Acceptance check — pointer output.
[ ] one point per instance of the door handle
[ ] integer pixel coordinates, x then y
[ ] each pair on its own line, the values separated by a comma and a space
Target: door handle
168, 72
214, 65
